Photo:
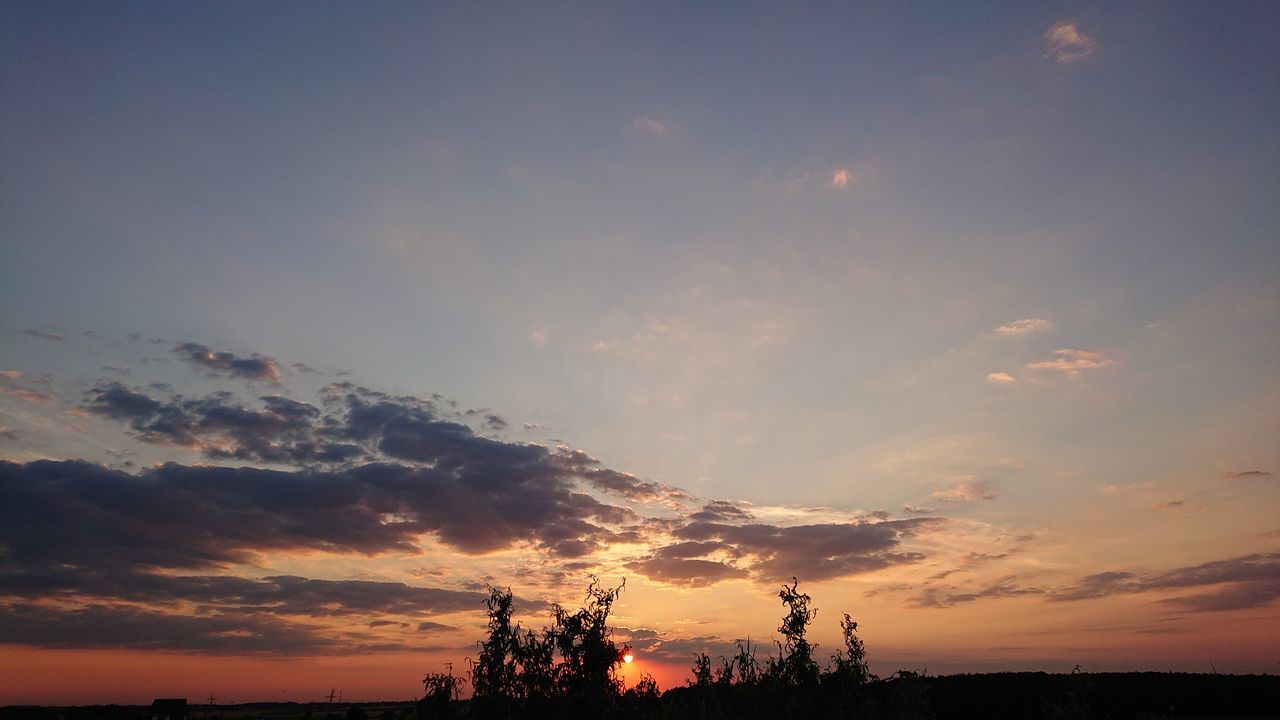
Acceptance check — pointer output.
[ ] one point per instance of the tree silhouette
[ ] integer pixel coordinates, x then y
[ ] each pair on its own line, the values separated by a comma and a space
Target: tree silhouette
795, 664
589, 657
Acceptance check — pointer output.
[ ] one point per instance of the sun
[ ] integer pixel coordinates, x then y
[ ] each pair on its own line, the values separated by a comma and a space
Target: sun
628, 658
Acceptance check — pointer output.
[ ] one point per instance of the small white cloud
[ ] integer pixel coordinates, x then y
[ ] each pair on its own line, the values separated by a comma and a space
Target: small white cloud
842, 178
1001, 378
1064, 43
648, 124
1024, 326
1071, 362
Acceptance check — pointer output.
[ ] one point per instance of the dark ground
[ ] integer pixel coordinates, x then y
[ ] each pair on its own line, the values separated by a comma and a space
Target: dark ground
995, 696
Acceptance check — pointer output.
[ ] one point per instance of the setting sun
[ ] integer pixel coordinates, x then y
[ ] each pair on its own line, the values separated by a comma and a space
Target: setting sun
628, 658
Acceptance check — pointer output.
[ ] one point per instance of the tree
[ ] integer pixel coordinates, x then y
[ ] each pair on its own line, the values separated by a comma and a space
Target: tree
589, 657
795, 665
493, 674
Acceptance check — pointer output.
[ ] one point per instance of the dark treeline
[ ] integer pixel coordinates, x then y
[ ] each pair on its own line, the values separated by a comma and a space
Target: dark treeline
569, 670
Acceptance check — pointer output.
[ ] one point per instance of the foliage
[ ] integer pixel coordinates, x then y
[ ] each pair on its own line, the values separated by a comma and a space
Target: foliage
493, 674
588, 655
439, 692
795, 665
850, 664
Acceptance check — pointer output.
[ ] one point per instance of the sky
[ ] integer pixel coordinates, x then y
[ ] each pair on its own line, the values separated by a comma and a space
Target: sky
316, 319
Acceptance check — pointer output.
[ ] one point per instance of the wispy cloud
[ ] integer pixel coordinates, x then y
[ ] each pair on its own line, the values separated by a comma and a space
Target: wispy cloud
1248, 474
1170, 505
1064, 43
966, 492
648, 124
1072, 362
51, 335
842, 178
1001, 378
1024, 326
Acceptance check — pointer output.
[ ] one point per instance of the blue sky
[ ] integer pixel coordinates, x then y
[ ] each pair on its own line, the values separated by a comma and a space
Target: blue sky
1011, 264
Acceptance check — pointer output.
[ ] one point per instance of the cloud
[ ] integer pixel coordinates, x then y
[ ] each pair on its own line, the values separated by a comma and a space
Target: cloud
965, 492
355, 424
121, 626
932, 597
1248, 475
707, 552
539, 338
284, 595
1024, 326
1247, 582
722, 510
256, 367
50, 335
1071, 362
1064, 43
842, 178
685, 572
30, 395
648, 124
1170, 505
1001, 378
72, 512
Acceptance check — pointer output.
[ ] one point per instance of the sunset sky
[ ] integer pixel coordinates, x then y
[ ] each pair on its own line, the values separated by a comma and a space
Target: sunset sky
316, 318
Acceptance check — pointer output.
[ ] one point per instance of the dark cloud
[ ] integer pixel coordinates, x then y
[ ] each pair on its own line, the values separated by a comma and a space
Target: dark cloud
1248, 474
255, 367
280, 595
120, 626
184, 517
685, 572
494, 422
716, 551
722, 511
50, 335
281, 431
1170, 505
355, 424
1251, 581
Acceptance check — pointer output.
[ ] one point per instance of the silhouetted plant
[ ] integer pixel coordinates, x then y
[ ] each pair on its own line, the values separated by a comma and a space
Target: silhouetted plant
646, 688
850, 665
701, 671
493, 673
744, 664
584, 639
795, 664
440, 690
535, 655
